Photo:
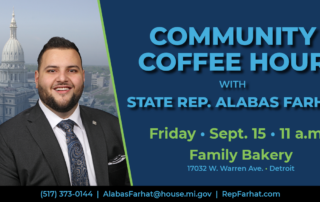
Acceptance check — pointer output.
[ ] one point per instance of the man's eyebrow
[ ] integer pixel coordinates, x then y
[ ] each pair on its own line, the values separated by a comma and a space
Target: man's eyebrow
71, 66
53, 66
50, 66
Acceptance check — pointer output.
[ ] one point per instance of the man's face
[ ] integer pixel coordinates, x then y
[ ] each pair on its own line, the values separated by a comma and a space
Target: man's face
60, 79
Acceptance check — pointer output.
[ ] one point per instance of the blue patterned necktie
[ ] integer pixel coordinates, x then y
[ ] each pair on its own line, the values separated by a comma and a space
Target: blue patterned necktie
78, 166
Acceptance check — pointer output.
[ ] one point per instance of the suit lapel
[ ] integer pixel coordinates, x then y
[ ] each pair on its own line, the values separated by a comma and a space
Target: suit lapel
98, 147
42, 133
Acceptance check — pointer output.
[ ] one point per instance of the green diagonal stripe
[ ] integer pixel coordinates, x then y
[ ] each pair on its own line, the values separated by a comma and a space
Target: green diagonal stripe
115, 93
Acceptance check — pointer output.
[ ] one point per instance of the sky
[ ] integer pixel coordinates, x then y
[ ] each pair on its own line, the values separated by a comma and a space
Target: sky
39, 20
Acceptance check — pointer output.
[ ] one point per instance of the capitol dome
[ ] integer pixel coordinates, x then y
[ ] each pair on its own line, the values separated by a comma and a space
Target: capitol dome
12, 51
13, 72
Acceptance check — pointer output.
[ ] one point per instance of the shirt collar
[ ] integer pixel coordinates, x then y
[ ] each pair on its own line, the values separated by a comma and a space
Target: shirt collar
55, 119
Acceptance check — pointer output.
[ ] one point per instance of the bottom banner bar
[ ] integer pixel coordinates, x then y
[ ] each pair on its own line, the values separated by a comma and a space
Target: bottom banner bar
163, 192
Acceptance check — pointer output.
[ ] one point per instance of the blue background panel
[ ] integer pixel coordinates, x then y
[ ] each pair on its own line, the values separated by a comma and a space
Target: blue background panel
164, 162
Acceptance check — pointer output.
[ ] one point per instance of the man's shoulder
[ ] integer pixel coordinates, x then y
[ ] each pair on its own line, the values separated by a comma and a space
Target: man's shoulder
16, 127
16, 121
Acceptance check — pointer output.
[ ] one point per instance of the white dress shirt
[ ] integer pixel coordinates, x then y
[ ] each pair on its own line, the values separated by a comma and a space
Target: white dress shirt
79, 130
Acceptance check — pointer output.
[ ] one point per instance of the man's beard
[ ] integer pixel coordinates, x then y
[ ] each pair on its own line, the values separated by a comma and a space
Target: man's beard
51, 102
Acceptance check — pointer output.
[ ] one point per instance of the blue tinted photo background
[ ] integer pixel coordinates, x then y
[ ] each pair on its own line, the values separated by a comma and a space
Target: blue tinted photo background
164, 162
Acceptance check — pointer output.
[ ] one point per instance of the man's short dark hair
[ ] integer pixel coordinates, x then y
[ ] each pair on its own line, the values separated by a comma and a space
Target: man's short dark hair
57, 42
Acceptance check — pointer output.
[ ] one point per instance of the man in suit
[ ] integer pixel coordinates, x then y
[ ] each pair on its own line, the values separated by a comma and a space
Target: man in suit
59, 142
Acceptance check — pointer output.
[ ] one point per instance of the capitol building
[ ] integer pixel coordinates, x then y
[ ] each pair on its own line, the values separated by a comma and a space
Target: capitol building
14, 88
